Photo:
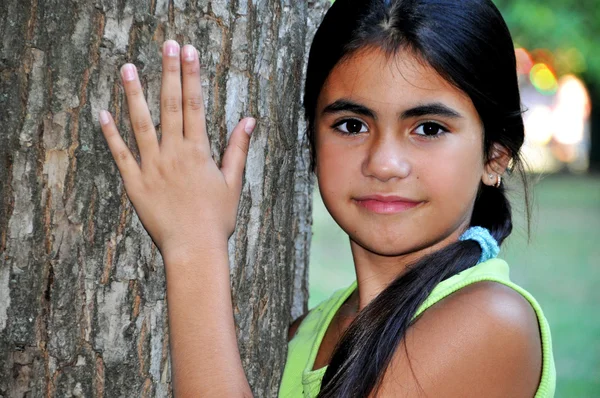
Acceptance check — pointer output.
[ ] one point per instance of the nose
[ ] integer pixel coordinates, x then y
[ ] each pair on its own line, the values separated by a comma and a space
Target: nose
386, 159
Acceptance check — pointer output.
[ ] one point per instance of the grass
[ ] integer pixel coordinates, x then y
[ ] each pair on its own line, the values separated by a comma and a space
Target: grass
560, 267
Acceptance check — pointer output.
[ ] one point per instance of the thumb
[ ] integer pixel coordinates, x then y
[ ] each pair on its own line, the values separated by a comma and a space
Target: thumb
234, 159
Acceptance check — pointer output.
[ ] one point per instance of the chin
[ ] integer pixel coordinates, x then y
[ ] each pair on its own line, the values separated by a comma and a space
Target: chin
385, 249
398, 247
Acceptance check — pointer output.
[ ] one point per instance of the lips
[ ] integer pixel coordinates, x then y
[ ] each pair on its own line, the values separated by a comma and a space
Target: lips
383, 204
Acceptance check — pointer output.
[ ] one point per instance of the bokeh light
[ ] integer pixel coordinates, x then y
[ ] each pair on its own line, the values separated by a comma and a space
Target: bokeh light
538, 125
543, 79
524, 61
571, 110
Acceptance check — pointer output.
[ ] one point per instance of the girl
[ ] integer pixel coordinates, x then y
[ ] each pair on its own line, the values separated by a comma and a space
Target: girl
414, 116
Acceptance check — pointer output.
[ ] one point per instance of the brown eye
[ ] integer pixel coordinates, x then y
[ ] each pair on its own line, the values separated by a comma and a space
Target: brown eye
430, 130
351, 127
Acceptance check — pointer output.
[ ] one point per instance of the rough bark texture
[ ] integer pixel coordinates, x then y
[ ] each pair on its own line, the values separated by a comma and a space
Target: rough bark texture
82, 292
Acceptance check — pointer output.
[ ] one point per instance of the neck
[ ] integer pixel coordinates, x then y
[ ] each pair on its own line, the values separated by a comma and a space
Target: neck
374, 272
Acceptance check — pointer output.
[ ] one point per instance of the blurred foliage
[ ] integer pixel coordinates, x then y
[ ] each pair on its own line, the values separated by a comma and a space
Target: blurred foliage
568, 29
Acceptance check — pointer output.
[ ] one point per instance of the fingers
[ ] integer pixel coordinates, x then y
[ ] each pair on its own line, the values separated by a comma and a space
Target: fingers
125, 161
145, 135
193, 100
171, 117
234, 159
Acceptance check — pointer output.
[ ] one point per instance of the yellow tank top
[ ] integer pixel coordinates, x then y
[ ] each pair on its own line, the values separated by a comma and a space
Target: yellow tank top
300, 381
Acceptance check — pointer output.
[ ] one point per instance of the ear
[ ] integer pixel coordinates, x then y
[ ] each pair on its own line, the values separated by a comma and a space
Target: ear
496, 164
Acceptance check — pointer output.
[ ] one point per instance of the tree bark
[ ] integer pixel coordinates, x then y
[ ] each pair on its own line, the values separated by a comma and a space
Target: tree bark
82, 289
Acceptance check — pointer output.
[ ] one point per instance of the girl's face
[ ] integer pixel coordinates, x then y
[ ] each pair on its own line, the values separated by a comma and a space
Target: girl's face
399, 153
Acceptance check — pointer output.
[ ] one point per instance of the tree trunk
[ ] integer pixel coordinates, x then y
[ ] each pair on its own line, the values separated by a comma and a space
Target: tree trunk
82, 288
593, 86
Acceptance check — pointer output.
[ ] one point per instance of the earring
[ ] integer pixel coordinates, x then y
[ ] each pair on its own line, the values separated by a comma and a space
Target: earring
497, 185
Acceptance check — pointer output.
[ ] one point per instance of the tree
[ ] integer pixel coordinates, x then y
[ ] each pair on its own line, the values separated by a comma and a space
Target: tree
82, 293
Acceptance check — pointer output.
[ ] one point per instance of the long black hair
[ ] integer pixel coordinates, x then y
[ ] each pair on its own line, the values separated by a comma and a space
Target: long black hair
468, 43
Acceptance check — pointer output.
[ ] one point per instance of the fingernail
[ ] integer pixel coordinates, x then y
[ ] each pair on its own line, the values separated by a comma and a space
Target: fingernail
128, 72
189, 53
171, 48
104, 117
250, 124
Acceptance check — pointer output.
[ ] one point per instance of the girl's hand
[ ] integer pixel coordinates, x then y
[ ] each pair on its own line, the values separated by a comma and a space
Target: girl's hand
178, 192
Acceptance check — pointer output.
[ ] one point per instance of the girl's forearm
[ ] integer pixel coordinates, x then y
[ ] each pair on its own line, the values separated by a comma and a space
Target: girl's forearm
204, 352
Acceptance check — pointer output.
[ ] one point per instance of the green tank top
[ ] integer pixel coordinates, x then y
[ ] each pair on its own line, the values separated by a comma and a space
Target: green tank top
300, 381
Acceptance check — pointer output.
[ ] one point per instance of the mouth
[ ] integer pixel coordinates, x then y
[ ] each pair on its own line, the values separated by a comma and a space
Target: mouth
382, 204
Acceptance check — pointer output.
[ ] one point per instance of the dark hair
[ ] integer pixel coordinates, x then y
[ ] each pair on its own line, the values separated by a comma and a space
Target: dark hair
468, 43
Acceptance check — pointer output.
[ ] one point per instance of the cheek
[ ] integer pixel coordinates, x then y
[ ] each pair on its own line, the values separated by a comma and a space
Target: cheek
335, 164
336, 171
453, 175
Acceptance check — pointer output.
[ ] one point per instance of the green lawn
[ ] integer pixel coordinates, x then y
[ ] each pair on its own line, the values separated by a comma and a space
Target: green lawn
560, 266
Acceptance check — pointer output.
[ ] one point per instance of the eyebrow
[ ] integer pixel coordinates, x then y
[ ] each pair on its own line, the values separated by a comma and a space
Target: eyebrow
430, 109
344, 105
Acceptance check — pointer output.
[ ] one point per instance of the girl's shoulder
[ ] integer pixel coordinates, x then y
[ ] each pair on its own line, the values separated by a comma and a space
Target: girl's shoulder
479, 331
324, 308
295, 325
482, 339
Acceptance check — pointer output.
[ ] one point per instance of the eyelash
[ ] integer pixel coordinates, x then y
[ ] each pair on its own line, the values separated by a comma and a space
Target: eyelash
441, 128
432, 137
344, 121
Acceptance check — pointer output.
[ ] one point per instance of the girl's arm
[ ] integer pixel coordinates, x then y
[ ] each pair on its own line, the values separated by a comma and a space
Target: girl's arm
204, 352
189, 207
481, 341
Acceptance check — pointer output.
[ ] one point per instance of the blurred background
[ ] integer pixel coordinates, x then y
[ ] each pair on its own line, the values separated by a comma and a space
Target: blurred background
558, 51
